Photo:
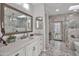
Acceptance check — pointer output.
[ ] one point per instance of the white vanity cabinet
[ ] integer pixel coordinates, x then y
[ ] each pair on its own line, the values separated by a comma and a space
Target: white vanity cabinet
38, 48
23, 48
30, 49
33, 49
21, 52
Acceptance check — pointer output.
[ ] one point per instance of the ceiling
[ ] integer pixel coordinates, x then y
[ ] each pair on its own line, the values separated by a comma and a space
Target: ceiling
63, 8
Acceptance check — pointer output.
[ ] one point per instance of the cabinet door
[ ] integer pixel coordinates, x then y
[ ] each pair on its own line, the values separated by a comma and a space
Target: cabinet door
39, 47
32, 49
29, 49
41, 44
19, 53
36, 49
76, 53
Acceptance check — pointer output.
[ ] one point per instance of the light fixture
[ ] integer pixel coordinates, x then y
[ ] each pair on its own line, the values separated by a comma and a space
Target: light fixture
39, 18
26, 5
21, 16
74, 8
57, 10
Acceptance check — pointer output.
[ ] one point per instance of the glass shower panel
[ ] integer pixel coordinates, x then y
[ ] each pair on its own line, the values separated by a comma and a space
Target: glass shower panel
57, 31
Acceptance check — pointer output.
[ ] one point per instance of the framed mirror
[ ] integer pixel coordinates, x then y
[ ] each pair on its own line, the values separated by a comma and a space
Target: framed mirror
15, 21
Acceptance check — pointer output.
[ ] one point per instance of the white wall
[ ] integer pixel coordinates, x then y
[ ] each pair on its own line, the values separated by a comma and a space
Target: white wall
46, 26
15, 5
39, 10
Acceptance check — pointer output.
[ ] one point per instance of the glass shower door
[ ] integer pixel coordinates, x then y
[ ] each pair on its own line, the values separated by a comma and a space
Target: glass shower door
57, 31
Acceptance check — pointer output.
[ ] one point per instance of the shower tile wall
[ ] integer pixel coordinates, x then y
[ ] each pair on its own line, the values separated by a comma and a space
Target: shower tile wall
66, 31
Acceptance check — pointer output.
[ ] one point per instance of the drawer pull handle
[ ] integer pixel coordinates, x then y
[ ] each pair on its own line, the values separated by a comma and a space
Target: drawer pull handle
17, 54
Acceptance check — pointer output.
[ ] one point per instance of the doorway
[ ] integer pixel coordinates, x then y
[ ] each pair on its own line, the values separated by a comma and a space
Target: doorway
58, 30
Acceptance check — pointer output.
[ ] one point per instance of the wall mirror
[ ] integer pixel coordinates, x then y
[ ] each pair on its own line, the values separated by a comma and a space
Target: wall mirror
15, 21
39, 23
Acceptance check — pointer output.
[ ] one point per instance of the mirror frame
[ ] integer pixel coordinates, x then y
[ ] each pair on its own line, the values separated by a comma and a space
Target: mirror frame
2, 6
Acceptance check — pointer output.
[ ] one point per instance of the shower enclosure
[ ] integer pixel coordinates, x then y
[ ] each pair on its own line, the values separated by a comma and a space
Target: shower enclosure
57, 30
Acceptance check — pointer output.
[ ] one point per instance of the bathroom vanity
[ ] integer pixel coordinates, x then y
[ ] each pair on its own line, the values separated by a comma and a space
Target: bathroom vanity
14, 21
25, 47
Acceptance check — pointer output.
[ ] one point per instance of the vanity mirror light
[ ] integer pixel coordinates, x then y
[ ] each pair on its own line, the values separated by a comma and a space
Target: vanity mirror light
39, 22
15, 21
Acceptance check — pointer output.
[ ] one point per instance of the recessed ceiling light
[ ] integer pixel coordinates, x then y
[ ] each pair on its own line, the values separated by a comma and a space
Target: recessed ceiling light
57, 10
26, 5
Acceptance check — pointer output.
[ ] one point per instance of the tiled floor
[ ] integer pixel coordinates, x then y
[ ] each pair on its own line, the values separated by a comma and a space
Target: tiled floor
57, 48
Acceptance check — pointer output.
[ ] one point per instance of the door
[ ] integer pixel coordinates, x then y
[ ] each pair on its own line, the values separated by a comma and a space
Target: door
31, 50
57, 30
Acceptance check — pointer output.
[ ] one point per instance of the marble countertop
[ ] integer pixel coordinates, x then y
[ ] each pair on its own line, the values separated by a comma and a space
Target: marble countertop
13, 47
